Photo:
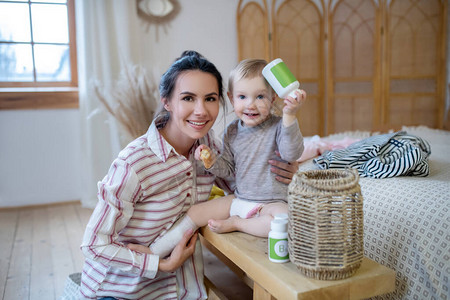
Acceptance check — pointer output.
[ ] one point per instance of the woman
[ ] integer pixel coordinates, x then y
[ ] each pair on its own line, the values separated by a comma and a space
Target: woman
152, 183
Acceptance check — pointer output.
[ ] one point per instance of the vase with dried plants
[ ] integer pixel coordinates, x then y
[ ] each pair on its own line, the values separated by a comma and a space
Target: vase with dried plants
132, 100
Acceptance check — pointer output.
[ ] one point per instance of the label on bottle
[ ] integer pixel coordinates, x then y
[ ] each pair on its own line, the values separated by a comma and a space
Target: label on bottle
283, 74
278, 249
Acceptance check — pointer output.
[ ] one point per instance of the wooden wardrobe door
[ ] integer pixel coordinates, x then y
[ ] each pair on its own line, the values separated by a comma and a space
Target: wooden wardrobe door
354, 66
298, 39
415, 67
253, 30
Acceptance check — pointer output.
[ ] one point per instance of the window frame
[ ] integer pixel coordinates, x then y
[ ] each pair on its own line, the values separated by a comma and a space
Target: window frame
45, 95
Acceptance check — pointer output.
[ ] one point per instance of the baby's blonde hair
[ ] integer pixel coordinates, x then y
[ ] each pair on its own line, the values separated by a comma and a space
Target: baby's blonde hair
247, 68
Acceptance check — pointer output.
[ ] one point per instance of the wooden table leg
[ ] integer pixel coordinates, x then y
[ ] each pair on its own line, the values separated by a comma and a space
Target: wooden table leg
259, 293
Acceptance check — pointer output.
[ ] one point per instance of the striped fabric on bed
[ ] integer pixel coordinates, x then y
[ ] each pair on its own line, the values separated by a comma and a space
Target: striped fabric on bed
382, 156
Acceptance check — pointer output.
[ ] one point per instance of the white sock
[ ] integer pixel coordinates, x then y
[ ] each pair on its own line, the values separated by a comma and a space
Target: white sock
165, 244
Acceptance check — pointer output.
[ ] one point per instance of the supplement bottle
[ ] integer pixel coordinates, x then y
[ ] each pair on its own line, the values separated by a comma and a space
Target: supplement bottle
278, 241
280, 78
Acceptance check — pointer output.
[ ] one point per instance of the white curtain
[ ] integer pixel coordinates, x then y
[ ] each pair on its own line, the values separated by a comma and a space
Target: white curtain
106, 31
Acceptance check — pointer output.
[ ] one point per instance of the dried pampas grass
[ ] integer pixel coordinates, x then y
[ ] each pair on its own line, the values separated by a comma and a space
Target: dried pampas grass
131, 101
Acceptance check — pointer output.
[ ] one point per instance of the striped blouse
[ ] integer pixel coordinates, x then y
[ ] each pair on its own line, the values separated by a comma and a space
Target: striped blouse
148, 187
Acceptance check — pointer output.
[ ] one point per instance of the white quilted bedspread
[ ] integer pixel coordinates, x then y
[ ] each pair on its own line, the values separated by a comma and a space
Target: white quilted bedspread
407, 221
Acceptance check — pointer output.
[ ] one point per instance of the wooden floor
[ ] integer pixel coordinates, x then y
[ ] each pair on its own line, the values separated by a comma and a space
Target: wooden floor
40, 247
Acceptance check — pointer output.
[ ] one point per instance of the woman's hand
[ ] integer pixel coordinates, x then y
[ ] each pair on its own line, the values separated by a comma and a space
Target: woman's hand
182, 251
284, 171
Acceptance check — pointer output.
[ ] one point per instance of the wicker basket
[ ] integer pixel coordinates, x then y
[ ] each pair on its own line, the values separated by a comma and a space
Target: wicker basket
326, 223
72, 287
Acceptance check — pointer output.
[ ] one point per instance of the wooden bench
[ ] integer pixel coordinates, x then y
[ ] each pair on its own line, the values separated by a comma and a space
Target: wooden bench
246, 255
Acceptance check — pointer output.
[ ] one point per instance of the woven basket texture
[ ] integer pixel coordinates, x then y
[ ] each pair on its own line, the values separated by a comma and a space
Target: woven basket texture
325, 231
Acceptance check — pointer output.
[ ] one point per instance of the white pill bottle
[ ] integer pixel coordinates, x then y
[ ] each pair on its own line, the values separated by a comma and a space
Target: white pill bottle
278, 241
281, 78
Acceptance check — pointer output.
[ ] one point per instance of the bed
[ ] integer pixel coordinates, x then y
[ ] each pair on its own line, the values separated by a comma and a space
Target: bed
407, 220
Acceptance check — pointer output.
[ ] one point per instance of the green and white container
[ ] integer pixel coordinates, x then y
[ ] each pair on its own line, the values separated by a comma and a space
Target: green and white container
278, 241
281, 78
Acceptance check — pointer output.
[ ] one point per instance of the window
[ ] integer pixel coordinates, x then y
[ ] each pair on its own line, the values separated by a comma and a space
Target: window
38, 54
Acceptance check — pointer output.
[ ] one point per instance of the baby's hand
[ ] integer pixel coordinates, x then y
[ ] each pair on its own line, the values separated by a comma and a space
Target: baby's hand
199, 150
292, 105
206, 155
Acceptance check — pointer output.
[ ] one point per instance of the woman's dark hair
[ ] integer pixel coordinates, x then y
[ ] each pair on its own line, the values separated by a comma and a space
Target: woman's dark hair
188, 61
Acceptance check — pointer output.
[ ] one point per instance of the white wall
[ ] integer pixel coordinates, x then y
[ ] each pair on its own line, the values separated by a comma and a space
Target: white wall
40, 149
39, 156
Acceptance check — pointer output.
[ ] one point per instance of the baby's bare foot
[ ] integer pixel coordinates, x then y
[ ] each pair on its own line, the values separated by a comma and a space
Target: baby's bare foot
223, 226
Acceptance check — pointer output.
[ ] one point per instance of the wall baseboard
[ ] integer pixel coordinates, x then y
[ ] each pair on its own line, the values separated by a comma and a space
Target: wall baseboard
40, 205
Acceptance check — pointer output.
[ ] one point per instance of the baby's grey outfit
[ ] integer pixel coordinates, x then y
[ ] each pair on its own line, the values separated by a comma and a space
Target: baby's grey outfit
246, 152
